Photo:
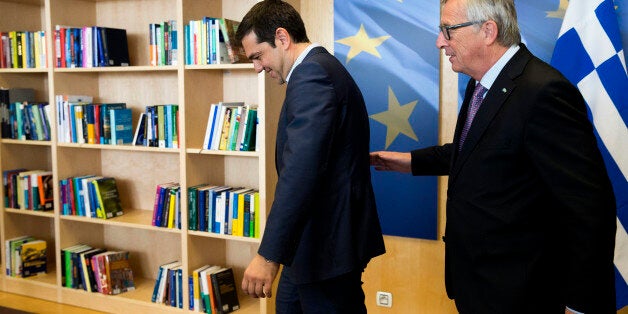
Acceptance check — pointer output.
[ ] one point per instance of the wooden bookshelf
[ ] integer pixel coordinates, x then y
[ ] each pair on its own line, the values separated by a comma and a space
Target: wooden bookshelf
138, 169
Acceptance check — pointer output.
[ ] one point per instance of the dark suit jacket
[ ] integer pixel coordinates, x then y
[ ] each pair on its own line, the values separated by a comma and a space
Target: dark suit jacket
323, 221
530, 209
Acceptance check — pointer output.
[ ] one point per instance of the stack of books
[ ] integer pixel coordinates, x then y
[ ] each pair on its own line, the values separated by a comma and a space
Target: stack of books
25, 256
96, 269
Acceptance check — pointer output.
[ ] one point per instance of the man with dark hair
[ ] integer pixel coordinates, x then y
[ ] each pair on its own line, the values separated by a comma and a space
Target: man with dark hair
530, 207
323, 225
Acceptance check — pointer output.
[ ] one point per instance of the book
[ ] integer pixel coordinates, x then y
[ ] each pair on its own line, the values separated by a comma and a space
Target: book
160, 283
69, 267
121, 126
225, 293
34, 258
45, 190
119, 272
87, 274
11, 260
228, 30
109, 204
196, 289
138, 136
114, 47
11, 96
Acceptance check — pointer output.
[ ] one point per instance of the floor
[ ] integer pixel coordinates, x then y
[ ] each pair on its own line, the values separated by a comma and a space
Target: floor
31, 305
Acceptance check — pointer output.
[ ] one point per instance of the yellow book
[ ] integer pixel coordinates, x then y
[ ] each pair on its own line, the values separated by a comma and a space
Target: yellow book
255, 227
24, 47
226, 126
238, 224
172, 207
196, 286
13, 38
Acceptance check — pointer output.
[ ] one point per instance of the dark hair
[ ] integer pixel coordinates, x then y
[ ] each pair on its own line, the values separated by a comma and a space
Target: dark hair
265, 17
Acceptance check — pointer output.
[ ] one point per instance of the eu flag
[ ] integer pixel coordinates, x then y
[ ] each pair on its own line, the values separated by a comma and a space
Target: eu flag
590, 53
389, 48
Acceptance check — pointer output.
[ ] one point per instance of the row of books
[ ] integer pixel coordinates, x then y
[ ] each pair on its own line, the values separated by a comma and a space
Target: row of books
90, 46
25, 256
231, 126
163, 43
28, 189
90, 196
223, 210
23, 49
211, 40
96, 269
79, 120
158, 126
167, 208
213, 290
27, 121
21, 117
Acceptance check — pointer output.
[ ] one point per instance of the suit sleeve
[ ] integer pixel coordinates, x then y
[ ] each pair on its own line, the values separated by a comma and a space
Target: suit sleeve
560, 143
432, 161
311, 111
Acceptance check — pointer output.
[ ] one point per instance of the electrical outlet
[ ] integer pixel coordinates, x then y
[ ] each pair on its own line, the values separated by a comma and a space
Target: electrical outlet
384, 299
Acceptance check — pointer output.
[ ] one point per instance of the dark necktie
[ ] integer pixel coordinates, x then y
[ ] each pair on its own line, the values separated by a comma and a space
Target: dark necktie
476, 100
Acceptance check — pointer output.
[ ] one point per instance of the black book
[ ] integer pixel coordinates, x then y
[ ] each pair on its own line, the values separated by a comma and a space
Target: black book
225, 292
115, 47
8, 97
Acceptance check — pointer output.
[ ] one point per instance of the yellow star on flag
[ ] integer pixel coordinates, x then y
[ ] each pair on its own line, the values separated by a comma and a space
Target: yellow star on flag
396, 118
560, 13
361, 42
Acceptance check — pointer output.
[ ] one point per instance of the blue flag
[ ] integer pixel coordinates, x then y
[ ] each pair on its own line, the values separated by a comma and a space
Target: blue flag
589, 52
389, 48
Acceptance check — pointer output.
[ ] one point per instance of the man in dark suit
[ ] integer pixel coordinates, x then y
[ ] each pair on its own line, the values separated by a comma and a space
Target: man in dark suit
530, 209
323, 225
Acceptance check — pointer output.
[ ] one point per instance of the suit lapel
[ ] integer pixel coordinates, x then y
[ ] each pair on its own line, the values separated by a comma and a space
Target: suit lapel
493, 101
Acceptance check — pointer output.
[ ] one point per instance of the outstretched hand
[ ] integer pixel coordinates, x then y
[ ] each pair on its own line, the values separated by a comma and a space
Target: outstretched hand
391, 161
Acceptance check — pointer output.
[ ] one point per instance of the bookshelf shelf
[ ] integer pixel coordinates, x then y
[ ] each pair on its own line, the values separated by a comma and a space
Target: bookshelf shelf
118, 69
18, 211
201, 151
138, 169
240, 66
24, 71
130, 148
26, 142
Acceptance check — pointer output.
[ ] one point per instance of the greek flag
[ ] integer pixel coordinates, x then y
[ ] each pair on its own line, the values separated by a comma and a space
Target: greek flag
589, 52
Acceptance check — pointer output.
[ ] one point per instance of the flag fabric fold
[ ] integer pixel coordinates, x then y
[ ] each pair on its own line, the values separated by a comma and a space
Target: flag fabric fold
589, 52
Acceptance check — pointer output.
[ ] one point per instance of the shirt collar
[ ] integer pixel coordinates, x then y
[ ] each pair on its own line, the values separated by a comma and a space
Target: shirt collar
300, 58
490, 76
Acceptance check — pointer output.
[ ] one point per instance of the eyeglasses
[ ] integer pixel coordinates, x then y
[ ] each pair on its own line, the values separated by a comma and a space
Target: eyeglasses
446, 28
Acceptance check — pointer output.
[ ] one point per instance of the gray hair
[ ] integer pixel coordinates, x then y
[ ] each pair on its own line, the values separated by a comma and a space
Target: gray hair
502, 12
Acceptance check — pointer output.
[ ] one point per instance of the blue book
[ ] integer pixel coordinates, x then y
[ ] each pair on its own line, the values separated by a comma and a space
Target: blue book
202, 209
121, 126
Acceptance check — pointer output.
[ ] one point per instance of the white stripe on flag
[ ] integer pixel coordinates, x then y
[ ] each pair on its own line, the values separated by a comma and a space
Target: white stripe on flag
606, 119
595, 41
577, 14
621, 250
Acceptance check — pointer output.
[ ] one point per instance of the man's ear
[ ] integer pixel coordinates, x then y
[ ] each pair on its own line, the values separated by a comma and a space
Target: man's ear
282, 37
490, 31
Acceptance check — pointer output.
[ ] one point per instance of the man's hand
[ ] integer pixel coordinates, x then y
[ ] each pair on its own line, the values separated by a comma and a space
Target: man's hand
391, 161
259, 276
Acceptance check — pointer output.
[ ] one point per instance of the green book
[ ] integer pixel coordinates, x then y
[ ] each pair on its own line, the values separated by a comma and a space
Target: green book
108, 197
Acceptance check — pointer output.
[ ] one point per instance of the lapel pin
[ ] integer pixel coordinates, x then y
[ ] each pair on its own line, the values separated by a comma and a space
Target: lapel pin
504, 90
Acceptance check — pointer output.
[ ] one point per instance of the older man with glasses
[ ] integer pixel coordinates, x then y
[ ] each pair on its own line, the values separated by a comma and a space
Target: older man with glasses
530, 208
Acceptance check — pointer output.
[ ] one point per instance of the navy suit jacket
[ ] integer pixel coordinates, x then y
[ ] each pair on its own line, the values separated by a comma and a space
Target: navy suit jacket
323, 221
530, 209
